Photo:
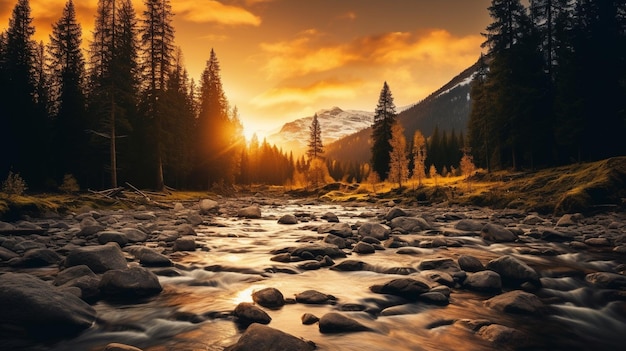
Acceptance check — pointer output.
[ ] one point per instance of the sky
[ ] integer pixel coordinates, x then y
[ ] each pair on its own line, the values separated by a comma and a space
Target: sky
286, 59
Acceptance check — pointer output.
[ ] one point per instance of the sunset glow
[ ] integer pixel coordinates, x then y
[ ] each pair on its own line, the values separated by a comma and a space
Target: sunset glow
285, 59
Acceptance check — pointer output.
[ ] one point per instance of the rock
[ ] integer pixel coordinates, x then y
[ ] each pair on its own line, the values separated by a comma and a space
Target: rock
334, 322
99, 258
150, 258
395, 212
532, 219
252, 212
516, 301
438, 277
407, 288
310, 265
502, 335
568, 220
470, 264
484, 281
259, 337
554, 235
288, 219
513, 271
72, 273
497, 233
6, 254
134, 235
469, 225
168, 236
269, 297
33, 306
120, 347
336, 240
598, 242
350, 266
363, 248
435, 298
409, 224
442, 264
110, 236
343, 230
606, 280
374, 230
319, 250
186, 230
248, 313
309, 318
132, 283
144, 216
185, 244
207, 206
314, 297
195, 219
330, 217
37, 258
89, 226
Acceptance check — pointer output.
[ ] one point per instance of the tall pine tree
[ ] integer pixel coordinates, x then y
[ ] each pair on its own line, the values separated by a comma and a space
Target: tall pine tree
315, 147
384, 119
157, 41
67, 67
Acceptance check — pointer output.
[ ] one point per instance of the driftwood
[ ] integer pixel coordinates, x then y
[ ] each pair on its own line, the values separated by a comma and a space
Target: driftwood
122, 194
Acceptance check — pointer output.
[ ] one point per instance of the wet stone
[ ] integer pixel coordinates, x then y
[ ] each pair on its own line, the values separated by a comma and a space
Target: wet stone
247, 313
269, 297
334, 322
516, 301
470, 264
258, 337
314, 297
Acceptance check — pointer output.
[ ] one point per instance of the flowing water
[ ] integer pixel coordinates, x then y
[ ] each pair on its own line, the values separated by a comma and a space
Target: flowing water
193, 311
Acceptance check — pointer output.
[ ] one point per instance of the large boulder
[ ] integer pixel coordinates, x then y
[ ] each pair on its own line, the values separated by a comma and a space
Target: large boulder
374, 230
409, 224
269, 297
334, 322
513, 271
248, 313
497, 233
207, 206
252, 212
99, 258
485, 281
516, 301
259, 337
132, 283
408, 288
34, 307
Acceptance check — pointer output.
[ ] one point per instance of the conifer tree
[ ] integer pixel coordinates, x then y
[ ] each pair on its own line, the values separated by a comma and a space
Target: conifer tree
315, 147
220, 136
67, 67
157, 41
384, 119
21, 126
398, 161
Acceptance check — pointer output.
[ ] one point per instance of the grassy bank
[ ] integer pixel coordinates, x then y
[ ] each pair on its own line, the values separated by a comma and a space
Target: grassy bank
582, 187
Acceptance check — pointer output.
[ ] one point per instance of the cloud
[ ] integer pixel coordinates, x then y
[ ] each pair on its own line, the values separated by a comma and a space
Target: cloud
307, 94
212, 11
308, 52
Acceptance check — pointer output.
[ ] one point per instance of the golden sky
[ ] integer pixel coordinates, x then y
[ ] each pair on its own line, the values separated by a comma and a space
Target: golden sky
285, 59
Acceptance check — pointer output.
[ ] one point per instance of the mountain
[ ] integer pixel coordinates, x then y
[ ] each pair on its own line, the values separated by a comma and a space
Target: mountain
447, 108
335, 124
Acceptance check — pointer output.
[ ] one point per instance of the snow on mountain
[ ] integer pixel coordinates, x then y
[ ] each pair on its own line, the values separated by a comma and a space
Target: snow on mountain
335, 123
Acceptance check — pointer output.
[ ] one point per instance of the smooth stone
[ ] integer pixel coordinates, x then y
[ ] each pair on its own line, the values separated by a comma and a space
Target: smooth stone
334, 322
144, 216
606, 280
132, 283
109, 236
120, 347
395, 212
516, 301
42, 311
288, 219
319, 250
500, 334
343, 230
207, 206
497, 233
185, 244
330, 217
269, 297
134, 235
407, 288
309, 318
374, 230
6, 254
314, 297
363, 248
258, 337
248, 313
470, 264
99, 258
252, 212
409, 224
485, 281
469, 225
513, 270
150, 258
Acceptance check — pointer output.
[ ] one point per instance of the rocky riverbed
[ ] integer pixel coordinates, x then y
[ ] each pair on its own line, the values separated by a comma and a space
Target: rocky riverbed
260, 273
